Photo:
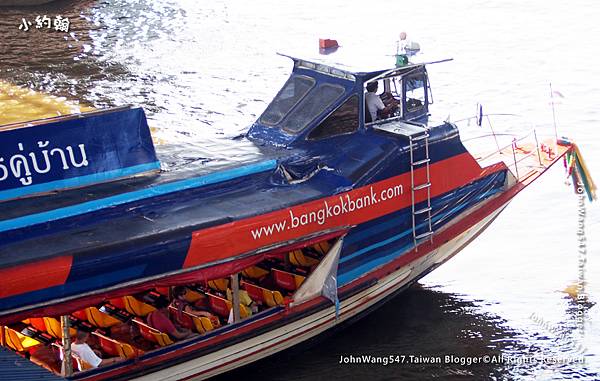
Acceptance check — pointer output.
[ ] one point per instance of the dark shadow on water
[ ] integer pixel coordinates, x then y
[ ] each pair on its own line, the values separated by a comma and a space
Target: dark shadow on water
419, 322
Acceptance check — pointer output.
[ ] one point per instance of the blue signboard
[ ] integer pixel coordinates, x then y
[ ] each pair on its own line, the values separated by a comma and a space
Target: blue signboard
75, 151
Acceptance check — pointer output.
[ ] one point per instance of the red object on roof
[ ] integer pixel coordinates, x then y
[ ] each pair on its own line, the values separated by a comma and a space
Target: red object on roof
325, 43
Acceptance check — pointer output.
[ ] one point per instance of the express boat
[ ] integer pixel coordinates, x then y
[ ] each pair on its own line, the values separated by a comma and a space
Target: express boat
334, 214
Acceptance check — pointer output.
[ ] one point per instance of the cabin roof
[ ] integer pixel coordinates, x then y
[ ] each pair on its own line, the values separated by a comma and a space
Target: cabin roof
364, 66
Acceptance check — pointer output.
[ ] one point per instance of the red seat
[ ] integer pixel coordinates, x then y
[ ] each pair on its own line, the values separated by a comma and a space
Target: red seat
153, 335
38, 323
163, 290
219, 305
117, 302
81, 315
116, 348
108, 345
145, 330
287, 281
255, 292
262, 295
183, 319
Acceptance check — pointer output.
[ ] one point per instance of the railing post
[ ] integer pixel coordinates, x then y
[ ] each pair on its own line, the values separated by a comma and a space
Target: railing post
235, 296
67, 364
515, 157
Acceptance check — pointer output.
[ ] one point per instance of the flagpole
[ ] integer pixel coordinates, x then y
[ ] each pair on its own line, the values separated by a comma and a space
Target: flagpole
554, 119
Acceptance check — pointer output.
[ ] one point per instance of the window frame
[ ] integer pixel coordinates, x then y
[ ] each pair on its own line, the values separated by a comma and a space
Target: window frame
291, 77
314, 88
423, 78
308, 138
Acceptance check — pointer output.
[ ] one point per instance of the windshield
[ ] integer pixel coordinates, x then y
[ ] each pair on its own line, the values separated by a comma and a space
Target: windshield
312, 106
292, 92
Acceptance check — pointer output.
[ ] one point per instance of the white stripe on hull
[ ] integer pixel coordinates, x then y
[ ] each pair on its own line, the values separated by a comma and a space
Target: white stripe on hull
300, 330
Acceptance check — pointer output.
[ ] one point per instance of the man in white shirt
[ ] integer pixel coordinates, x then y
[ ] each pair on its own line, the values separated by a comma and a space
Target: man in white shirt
87, 354
374, 103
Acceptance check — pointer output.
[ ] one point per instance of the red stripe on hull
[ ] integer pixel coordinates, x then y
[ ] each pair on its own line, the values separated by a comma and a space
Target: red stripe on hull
34, 276
234, 238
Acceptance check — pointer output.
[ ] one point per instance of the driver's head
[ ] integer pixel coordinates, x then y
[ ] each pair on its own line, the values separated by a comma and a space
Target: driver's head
372, 87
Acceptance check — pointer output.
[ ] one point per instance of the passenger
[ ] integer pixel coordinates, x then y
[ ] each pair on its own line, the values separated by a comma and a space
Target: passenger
81, 348
159, 320
200, 308
375, 105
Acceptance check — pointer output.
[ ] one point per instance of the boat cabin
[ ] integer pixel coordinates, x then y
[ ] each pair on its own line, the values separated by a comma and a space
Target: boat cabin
320, 101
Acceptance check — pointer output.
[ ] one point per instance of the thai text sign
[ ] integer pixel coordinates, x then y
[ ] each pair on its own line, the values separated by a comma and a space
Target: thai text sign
69, 153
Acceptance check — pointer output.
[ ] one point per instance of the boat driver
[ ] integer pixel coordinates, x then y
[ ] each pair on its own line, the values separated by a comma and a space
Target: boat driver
375, 105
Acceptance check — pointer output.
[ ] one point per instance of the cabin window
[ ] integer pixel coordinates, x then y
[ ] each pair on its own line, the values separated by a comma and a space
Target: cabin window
342, 121
415, 93
292, 92
312, 106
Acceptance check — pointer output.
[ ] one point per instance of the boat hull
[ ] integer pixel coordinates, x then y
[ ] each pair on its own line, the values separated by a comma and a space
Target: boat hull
303, 329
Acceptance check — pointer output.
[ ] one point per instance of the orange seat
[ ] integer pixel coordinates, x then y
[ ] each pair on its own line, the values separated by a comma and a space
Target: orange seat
18, 341
54, 327
263, 295
192, 296
322, 247
254, 272
162, 338
136, 307
203, 324
219, 284
297, 258
100, 319
286, 280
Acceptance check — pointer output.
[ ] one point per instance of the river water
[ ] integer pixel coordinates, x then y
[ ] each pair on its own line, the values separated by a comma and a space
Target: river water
204, 71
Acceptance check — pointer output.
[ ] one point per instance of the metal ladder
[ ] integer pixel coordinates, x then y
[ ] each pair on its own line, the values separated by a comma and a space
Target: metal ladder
422, 215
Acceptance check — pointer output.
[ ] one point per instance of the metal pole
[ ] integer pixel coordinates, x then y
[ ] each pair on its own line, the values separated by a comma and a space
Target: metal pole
537, 147
493, 133
235, 291
554, 119
66, 343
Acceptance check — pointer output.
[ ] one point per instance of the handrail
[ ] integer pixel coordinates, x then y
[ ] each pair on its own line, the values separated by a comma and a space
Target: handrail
516, 137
